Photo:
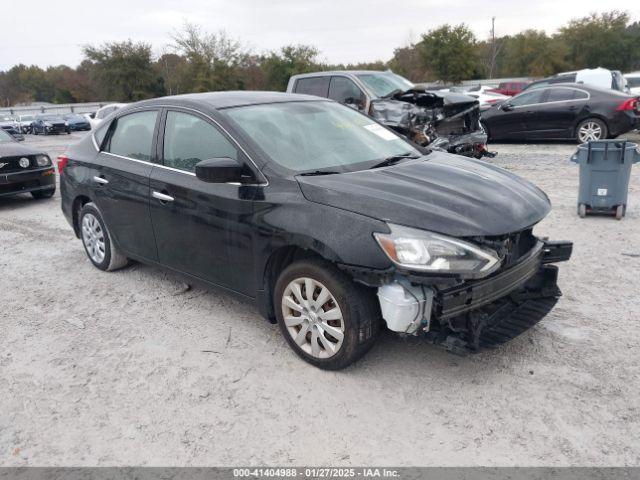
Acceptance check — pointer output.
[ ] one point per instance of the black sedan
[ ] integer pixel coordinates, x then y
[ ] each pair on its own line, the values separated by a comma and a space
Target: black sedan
564, 111
23, 170
48, 124
76, 122
331, 223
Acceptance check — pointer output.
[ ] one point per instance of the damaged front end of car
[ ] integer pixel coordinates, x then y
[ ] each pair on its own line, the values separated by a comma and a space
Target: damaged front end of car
441, 120
466, 294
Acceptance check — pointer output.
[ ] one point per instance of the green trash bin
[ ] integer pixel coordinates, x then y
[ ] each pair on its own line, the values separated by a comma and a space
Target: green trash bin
605, 168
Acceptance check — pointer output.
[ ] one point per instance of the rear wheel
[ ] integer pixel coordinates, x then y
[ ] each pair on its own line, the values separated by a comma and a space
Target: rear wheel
327, 319
97, 240
619, 212
591, 129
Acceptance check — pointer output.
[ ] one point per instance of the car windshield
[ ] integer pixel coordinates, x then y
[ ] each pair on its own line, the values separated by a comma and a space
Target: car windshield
50, 117
72, 116
306, 137
382, 84
5, 137
26, 118
6, 119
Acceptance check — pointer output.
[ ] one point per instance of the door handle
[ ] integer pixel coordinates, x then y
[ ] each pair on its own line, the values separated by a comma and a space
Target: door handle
162, 197
101, 180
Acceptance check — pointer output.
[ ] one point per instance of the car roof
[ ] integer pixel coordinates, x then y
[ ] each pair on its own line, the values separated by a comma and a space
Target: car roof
581, 86
340, 72
221, 100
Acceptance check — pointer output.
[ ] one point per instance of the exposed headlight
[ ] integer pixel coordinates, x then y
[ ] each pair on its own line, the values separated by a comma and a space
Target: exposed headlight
421, 250
47, 124
24, 162
43, 160
66, 124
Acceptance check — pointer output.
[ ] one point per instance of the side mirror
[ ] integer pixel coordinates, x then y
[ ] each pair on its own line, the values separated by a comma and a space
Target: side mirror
507, 107
220, 170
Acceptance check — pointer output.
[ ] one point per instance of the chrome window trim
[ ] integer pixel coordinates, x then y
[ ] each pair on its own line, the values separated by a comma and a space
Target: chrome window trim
556, 101
178, 107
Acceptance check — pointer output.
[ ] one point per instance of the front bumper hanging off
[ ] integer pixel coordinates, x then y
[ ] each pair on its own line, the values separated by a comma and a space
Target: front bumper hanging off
488, 312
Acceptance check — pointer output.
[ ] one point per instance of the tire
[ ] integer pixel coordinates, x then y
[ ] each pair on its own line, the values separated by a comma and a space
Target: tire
620, 211
591, 129
42, 194
351, 311
582, 210
35, 132
97, 241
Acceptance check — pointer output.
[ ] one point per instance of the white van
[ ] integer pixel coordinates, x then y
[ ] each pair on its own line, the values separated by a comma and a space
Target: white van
633, 82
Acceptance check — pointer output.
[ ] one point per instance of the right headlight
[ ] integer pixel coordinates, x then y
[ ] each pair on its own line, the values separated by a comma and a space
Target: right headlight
415, 249
43, 160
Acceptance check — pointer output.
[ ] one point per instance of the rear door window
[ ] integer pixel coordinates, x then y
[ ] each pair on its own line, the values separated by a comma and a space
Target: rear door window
318, 86
561, 95
188, 139
132, 136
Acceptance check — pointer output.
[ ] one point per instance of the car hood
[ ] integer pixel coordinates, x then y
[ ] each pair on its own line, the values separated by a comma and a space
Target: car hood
14, 149
440, 192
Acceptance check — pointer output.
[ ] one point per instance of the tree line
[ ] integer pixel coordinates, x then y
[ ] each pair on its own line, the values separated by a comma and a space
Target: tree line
200, 61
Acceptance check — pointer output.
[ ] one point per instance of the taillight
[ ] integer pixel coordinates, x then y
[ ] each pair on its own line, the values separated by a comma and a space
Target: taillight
631, 104
62, 162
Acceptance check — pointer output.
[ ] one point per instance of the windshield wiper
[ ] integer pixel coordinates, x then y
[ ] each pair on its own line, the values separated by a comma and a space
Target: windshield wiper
393, 159
318, 172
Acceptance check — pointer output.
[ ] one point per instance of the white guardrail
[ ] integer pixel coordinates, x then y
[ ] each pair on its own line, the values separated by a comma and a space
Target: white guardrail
53, 108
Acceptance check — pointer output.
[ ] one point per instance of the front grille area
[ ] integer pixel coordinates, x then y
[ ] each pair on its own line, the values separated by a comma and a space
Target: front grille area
510, 247
13, 165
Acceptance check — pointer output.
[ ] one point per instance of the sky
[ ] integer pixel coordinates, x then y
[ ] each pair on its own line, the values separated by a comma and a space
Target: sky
48, 33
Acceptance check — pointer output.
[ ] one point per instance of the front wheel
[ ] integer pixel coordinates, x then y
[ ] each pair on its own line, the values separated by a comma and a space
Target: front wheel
327, 319
97, 240
591, 129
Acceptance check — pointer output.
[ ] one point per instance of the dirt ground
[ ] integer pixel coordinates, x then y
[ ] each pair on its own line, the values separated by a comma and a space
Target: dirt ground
132, 368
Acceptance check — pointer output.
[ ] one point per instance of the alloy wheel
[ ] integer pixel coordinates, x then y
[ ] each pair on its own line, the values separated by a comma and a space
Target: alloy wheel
313, 317
93, 237
589, 131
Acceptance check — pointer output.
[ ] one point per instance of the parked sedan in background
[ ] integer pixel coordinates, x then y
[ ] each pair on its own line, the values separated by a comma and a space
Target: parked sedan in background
10, 125
48, 124
24, 170
510, 88
486, 96
26, 123
104, 112
76, 122
563, 111
329, 222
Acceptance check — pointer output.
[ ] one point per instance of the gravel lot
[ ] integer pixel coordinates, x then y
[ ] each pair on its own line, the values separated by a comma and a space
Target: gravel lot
134, 368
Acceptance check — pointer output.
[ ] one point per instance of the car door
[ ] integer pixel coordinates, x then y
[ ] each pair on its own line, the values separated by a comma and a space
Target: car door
508, 122
120, 181
201, 228
556, 116
345, 91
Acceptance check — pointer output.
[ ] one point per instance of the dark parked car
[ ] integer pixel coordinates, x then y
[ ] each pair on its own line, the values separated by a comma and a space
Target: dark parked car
563, 111
76, 122
48, 124
327, 220
24, 169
